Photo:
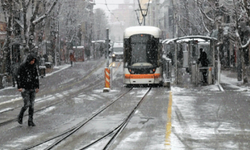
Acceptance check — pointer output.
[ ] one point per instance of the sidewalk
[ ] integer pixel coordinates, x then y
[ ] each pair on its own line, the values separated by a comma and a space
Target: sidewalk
230, 77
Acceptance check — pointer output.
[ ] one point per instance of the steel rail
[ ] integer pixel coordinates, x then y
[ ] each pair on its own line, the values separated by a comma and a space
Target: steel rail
125, 122
81, 124
97, 82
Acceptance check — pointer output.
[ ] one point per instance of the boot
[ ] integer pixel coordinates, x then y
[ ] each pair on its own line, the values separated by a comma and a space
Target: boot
20, 116
20, 120
30, 121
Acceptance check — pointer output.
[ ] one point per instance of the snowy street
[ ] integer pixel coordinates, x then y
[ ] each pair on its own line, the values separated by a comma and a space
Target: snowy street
202, 117
124, 75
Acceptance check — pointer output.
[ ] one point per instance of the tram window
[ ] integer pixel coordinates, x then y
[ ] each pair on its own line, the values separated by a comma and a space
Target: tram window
126, 53
144, 49
152, 50
138, 53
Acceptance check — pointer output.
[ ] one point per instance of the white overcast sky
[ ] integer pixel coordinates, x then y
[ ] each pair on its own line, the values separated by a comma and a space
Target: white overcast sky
112, 4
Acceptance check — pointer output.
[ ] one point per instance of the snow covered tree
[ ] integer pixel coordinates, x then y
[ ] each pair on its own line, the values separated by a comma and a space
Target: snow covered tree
231, 24
29, 17
100, 24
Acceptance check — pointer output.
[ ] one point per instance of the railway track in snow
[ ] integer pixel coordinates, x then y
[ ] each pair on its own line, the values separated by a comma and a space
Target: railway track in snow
75, 136
45, 102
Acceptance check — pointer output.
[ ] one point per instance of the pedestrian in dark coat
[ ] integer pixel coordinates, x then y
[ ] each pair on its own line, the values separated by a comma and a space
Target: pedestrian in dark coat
72, 58
28, 85
204, 63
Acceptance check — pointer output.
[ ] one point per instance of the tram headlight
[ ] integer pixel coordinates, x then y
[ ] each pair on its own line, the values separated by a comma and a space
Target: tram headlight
113, 55
131, 71
152, 71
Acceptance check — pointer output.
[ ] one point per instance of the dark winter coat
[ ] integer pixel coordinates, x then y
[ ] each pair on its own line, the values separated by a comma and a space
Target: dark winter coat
203, 59
27, 74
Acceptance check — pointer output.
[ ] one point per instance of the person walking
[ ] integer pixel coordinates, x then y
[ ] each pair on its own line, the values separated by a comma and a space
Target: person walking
72, 58
204, 63
28, 85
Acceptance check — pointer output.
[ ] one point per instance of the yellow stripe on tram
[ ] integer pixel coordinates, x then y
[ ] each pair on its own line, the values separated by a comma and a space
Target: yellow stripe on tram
169, 124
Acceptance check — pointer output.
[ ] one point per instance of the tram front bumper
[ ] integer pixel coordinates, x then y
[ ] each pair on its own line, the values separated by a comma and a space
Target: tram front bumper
142, 79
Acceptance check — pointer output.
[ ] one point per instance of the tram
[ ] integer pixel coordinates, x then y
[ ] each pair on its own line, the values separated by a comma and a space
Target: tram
142, 56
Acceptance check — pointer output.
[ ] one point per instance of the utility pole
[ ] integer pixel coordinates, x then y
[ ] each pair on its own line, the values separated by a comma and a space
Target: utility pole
107, 69
107, 47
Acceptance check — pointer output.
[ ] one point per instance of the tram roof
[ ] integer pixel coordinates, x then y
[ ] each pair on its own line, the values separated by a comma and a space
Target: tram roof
189, 38
155, 31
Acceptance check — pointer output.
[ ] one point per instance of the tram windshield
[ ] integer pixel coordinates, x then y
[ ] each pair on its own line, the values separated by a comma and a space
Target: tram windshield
143, 50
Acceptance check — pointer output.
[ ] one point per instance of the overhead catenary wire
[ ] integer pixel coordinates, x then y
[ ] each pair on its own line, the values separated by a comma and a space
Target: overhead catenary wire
113, 14
137, 16
113, 4
141, 10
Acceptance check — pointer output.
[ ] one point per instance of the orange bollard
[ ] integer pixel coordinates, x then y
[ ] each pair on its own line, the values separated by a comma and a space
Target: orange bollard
107, 80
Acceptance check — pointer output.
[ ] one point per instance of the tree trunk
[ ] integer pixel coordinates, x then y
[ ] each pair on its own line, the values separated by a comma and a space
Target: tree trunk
244, 70
6, 62
245, 77
1, 78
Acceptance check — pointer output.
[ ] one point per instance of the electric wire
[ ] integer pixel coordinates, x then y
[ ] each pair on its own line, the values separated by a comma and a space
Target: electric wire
143, 15
112, 4
113, 14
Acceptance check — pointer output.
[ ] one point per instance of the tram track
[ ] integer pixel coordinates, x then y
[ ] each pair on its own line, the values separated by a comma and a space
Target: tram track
124, 124
112, 134
55, 102
58, 138
59, 88
76, 127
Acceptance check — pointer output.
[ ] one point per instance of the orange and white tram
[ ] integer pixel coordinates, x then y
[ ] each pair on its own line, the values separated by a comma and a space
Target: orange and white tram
142, 56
